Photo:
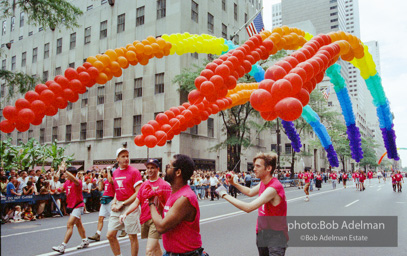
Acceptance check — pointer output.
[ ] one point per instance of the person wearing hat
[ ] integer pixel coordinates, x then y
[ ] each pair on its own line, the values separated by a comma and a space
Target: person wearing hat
163, 190
74, 200
127, 182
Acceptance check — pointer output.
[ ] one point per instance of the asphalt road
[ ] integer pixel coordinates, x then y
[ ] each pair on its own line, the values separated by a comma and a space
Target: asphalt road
226, 230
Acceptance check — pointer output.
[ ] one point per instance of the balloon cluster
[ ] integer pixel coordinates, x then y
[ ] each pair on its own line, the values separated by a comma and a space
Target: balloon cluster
292, 134
389, 137
187, 43
355, 142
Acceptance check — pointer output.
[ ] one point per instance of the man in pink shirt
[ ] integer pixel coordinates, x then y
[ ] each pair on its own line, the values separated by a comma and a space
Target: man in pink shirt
334, 178
307, 178
180, 225
163, 190
127, 182
74, 201
370, 175
271, 201
399, 178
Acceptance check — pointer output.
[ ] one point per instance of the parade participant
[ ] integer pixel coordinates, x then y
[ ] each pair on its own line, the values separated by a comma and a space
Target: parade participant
379, 175
271, 201
333, 177
180, 225
344, 178
357, 180
74, 200
362, 178
306, 176
105, 201
393, 180
311, 180
370, 175
399, 178
163, 190
300, 180
318, 181
214, 182
127, 182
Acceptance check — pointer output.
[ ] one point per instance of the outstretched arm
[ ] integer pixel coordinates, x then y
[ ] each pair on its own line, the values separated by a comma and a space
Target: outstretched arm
265, 197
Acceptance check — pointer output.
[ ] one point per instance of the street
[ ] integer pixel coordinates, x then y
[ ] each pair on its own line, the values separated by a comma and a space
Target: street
226, 230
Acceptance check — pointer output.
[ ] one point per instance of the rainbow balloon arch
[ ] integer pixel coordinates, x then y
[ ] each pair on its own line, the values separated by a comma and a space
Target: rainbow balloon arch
280, 92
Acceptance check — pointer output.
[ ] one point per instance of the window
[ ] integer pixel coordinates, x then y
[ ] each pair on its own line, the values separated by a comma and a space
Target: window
30, 134
90, 7
194, 55
72, 41
103, 29
194, 130
336, 26
159, 83
83, 131
35, 52
118, 90
68, 133
288, 148
46, 51
161, 6
245, 18
30, 33
2, 91
211, 128
138, 87
21, 19
58, 71
13, 63
88, 31
140, 16
4, 28
121, 22
71, 65
274, 147
194, 11
334, 13
136, 124
333, 20
224, 31
101, 95
333, 7
42, 135
45, 76
54, 133
210, 23
3, 64
103, 2
59, 45
210, 57
84, 101
236, 39
117, 128
235, 10
99, 129
13, 22
23, 59
69, 106
258, 139
224, 5
329, 103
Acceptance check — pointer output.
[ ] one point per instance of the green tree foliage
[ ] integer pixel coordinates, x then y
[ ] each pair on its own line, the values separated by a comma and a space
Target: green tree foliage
17, 82
369, 159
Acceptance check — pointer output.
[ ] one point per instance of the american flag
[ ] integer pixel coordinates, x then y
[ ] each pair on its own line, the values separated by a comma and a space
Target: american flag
256, 26
327, 92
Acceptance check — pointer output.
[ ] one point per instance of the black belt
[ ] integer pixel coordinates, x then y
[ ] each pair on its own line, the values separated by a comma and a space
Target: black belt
196, 252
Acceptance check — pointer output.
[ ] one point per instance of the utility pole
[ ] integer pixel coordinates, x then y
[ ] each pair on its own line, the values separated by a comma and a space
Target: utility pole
278, 144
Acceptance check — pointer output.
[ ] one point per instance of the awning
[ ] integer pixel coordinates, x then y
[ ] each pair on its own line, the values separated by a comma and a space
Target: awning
46, 167
100, 166
77, 166
139, 166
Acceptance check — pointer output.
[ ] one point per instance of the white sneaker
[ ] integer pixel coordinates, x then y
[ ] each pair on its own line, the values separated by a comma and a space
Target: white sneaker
60, 248
84, 244
306, 199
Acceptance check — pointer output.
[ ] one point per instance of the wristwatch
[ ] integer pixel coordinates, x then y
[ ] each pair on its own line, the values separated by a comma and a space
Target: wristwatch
151, 203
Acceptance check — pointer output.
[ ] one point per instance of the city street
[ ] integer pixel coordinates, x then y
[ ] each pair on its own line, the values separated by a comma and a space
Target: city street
227, 231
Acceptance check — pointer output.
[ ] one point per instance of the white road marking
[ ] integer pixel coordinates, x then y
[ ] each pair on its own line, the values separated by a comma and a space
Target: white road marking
379, 189
352, 203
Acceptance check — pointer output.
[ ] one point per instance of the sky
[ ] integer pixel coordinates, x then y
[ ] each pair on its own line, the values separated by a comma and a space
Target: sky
385, 22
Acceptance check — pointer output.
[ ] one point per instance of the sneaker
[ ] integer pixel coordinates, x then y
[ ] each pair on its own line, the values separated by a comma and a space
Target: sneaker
60, 248
84, 244
306, 199
95, 237
123, 234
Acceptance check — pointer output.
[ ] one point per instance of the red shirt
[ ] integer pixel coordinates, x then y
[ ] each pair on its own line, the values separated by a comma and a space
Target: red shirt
300, 175
306, 177
109, 189
125, 182
185, 237
345, 176
333, 176
73, 194
362, 177
162, 188
319, 177
370, 175
398, 177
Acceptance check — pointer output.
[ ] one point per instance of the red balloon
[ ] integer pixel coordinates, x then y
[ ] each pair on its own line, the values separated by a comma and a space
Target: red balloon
239, 55
268, 116
293, 61
211, 66
299, 56
139, 140
31, 96
250, 45
315, 65
93, 72
199, 80
56, 89
305, 52
207, 88
285, 65
217, 81
76, 86
240, 71
47, 96
175, 110
222, 70
319, 77
308, 86
70, 95
215, 109
195, 96
260, 100
247, 66
256, 56
174, 122
154, 124
168, 131
308, 68
231, 82
301, 72
266, 84
60, 102
303, 96
7, 126
147, 129
181, 119
161, 138
150, 141
40, 87
85, 78
281, 89
26, 115
80, 69
51, 110
268, 44
170, 114
62, 81
187, 114
275, 72
221, 92
194, 109
207, 73
296, 82
211, 98
250, 59
10, 113
22, 103
71, 74
204, 115
289, 109
87, 65
22, 127
38, 120
162, 119
221, 104
38, 107
186, 105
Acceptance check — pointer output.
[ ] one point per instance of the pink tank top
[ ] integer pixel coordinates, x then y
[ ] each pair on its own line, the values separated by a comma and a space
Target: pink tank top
185, 237
268, 209
109, 189
73, 194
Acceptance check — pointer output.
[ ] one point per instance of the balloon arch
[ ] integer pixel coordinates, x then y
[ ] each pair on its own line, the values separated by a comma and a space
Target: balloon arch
280, 92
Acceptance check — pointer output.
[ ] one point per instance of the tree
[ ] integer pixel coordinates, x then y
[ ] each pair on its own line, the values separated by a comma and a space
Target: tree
56, 154
369, 155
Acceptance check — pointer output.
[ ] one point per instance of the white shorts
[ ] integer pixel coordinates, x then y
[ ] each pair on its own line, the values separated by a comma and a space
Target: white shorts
77, 212
105, 210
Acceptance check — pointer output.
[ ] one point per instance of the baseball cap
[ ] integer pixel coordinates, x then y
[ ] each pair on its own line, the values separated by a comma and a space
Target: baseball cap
153, 161
121, 150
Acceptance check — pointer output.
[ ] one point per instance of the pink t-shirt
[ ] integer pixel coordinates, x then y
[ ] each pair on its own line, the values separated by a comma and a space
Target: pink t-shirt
319, 177
125, 182
109, 189
163, 190
185, 237
306, 177
398, 177
370, 175
73, 194
333, 176
268, 209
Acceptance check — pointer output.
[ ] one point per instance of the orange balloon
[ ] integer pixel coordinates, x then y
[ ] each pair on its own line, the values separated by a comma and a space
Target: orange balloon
156, 47
159, 54
286, 30
105, 59
108, 73
144, 61
148, 50
99, 65
139, 48
131, 56
119, 52
102, 78
278, 30
151, 39
134, 62
114, 66
118, 73
145, 42
91, 59
122, 61
161, 42
112, 54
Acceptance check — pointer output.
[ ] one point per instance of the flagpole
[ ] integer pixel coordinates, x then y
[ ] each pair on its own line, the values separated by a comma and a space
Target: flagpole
248, 22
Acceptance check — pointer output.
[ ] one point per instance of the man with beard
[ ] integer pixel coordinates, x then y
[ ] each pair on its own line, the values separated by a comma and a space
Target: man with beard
163, 190
180, 225
127, 182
